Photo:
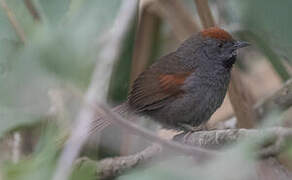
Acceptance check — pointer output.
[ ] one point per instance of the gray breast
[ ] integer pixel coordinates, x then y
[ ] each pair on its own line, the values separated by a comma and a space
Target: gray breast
207, 91
217, 84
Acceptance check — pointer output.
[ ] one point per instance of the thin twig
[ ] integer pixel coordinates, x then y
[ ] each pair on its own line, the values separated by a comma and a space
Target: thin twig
96, 91
146, 28
12, 19
32, 10
205, 13
16, 147
180, 19
112, 167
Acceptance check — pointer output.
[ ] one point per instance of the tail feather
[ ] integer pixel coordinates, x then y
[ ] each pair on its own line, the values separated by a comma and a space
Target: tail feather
101, 122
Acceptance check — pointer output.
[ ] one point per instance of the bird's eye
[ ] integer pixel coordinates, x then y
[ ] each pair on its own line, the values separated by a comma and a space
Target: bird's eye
220, 45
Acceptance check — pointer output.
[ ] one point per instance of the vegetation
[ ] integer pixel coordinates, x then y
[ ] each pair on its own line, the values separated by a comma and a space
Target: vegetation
62, 60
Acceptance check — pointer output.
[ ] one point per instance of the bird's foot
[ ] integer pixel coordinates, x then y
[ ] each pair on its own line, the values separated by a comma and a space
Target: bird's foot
191, 129
202, 127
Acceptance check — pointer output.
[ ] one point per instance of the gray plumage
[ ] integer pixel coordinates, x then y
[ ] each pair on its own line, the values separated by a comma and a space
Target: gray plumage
188, 85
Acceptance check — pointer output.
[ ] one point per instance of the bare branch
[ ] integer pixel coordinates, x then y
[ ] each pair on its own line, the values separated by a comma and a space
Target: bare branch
218, 138
11, 17
281, 99
97, 89
112, 167
205, 13
32, 10
180, 19
147, 26
242, 101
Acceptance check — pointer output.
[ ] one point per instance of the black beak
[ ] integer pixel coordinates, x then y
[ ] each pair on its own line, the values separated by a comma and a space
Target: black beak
241, 44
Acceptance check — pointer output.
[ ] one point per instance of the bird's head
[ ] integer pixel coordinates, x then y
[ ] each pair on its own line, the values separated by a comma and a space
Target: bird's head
215, 44
219, 44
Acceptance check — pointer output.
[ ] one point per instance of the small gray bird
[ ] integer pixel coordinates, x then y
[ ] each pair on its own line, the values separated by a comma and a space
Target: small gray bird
184, 88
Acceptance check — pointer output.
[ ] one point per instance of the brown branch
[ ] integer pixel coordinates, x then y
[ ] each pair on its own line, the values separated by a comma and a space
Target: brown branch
12, 19
280, 100
242, 101
180, 19
112, 167
147, 26
240, 97
205, 13
32, 10
218, 138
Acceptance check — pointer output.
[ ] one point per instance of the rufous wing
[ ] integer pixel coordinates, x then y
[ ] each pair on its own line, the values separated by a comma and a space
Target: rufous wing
152, 89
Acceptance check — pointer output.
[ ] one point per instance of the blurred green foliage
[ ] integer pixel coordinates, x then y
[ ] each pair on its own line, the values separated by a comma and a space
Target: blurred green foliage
269, 23
54, 10
60, 50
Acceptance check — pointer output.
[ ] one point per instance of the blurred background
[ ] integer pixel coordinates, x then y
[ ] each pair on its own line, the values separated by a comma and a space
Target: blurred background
50, 48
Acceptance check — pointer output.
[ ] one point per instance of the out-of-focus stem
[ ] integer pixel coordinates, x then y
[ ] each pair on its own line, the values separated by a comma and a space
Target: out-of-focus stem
148, 26
178, 16
205, 14
32, 10
12, 19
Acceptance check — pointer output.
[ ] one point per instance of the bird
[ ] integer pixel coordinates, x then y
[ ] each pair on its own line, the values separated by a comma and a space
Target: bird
182, 89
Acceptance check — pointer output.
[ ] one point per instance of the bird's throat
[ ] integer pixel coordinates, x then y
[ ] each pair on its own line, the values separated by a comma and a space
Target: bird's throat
229, 62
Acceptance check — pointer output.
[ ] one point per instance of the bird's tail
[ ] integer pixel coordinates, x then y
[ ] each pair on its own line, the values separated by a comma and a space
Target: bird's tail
101, 122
